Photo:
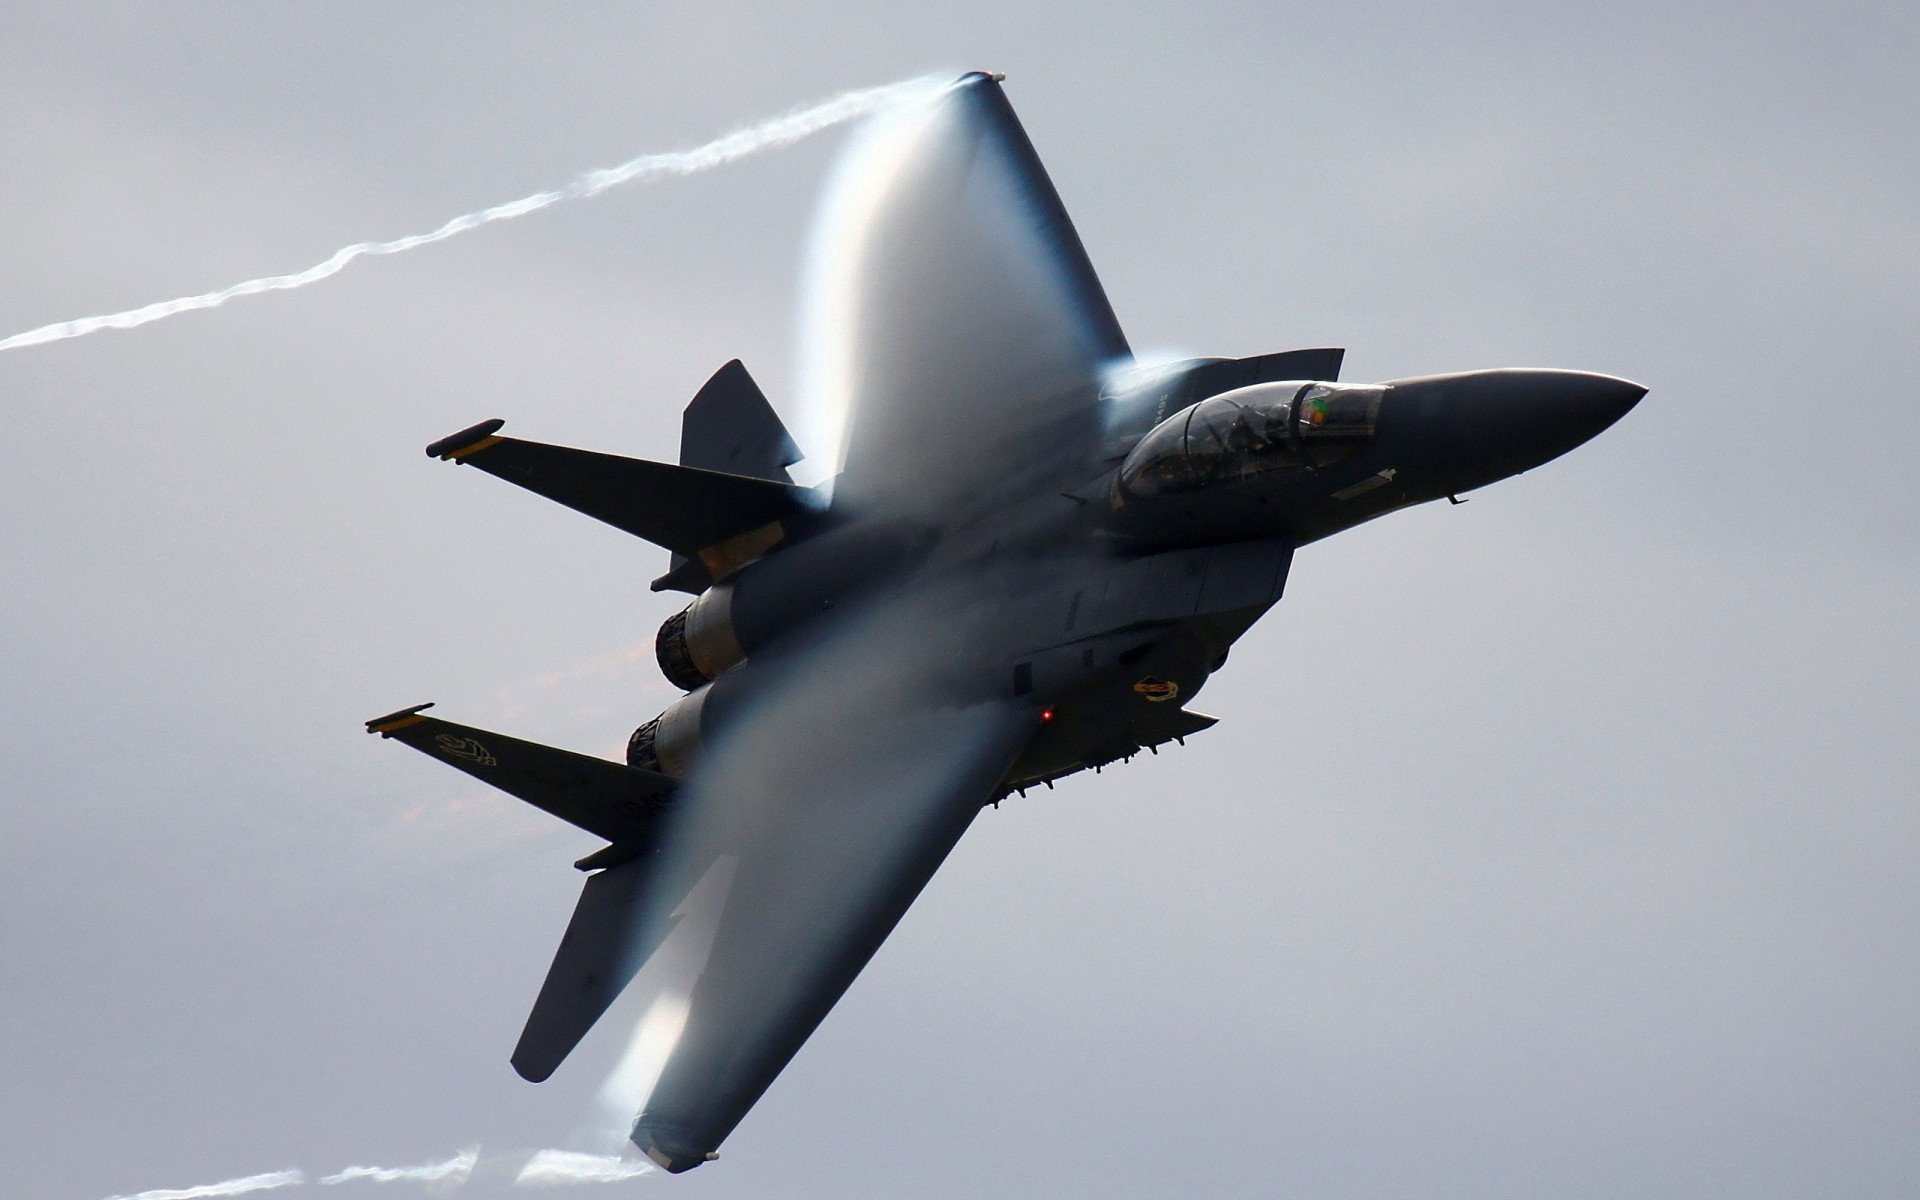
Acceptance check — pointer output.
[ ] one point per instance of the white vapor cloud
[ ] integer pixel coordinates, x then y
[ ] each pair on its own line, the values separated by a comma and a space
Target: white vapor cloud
231, 1187
455, 1170
554, 1167
547, 1168
779, 131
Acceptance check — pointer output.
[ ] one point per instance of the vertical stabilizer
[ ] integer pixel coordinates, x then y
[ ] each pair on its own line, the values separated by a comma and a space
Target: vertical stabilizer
596, 960
730, 427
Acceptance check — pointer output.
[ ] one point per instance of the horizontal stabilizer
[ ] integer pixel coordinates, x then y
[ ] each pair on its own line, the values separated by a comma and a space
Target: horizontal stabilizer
615, 801
721, 519
596, 960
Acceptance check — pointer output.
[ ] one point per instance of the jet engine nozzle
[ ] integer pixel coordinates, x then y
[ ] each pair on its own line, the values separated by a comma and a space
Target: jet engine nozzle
669, 742
698, 643
1488, 425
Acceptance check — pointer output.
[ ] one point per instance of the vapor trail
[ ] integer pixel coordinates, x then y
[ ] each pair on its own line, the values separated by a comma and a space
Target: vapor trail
232, 1187
454, 1170
767, 135
551, 1167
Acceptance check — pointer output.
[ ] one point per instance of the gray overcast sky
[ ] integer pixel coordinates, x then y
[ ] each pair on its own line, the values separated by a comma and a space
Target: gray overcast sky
1559, 844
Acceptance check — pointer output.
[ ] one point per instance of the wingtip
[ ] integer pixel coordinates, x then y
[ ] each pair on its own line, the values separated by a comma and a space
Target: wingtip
384, 726
456, 446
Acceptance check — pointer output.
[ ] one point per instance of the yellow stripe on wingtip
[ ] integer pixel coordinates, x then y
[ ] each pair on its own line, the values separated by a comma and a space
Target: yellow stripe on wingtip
477, 447
402, 723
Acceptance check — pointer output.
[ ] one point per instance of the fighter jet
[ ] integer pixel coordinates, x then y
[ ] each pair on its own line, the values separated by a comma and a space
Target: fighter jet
1034, 554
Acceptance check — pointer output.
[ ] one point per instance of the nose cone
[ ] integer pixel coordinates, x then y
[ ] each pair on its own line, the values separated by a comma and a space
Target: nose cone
1500, 423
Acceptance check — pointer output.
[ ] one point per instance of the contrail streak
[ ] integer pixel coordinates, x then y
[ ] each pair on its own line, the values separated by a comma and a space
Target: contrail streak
454, 1170
232, 1187
550, 1167
779, 131
547, 1168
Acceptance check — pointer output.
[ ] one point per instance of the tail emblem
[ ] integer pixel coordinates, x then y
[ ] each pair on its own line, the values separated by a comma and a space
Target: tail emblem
467, 748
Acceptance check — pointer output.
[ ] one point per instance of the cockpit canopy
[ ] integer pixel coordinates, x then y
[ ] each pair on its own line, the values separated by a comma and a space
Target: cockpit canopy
1251, 431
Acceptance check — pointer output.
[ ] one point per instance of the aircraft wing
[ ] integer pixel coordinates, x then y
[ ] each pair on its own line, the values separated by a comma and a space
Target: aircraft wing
959, 323
809, 828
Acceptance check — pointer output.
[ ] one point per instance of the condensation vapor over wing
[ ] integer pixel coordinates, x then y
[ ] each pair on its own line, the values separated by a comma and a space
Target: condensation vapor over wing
814, 820
956, 322
953, 320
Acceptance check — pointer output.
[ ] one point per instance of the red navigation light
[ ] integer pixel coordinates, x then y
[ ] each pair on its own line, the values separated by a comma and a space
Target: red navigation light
1046, 714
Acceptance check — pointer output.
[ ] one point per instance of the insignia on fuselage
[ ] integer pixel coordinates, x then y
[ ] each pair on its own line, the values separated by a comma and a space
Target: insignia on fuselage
1157, 689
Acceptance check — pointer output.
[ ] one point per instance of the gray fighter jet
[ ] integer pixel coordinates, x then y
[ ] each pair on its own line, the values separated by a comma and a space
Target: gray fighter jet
1035, 553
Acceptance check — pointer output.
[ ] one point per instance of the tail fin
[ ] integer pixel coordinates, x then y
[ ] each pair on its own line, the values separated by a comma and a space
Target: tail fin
729, 426
597, 958
1218, 375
